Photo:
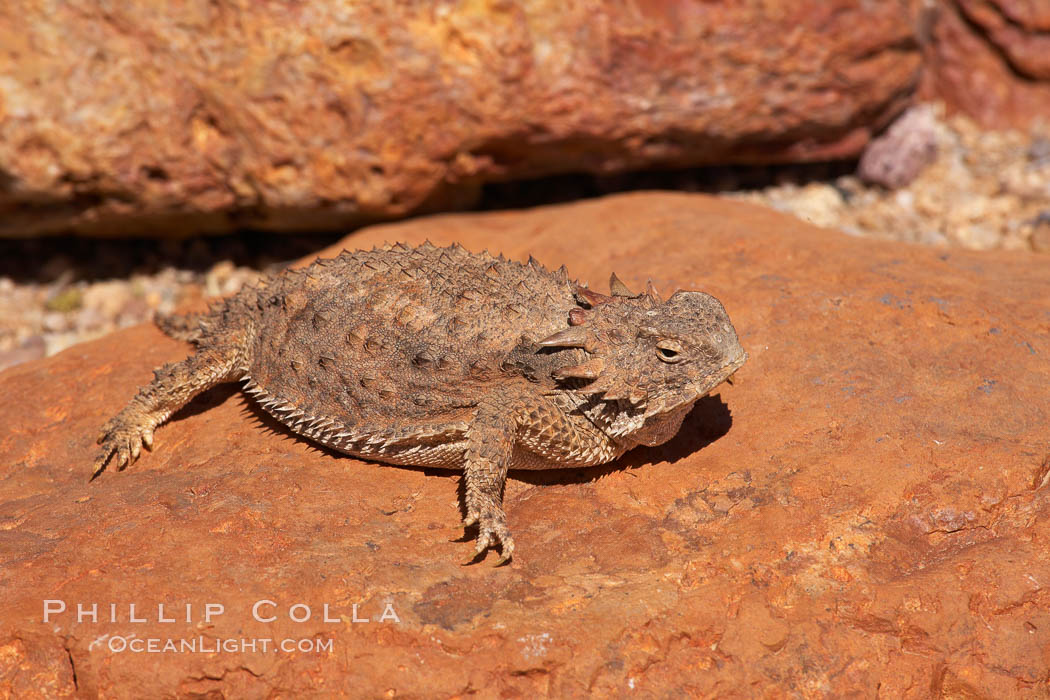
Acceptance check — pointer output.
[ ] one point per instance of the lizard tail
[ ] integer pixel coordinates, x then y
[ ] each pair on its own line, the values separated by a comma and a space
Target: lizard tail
185, 327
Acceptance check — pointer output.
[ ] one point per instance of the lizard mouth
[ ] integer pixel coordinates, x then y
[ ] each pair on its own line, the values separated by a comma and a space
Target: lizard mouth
724, 375
733, 367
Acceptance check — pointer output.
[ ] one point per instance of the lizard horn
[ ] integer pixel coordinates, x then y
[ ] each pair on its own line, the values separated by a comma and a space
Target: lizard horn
618, 288
590, 369
610, 390
572, 337
603, 385
591, 297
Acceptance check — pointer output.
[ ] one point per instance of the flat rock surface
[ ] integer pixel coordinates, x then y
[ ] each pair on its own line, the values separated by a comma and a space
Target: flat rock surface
862, 513
139, 118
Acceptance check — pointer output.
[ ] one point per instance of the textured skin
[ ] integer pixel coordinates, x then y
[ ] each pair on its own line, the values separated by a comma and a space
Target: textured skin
444, 358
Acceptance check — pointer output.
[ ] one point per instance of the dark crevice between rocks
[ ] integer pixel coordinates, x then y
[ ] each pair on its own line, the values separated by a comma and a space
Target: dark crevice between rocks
76, 258
524, 194
535, 155
84, 259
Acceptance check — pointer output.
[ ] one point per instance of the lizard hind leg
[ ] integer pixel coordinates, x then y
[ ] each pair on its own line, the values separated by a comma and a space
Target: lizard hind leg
173, 386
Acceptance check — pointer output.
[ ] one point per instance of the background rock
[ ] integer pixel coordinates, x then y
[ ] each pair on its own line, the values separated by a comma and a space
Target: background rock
118, 119
862, 513
990, 59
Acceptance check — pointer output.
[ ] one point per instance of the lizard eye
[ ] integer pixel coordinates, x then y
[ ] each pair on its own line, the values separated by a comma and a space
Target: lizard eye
669, 351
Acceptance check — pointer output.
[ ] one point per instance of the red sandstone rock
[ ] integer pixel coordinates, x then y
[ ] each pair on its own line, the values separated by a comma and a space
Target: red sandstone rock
862, 514
1018, 29
145, 118
990, 59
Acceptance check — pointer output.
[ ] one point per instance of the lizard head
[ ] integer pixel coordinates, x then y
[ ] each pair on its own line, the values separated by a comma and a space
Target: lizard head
654, 358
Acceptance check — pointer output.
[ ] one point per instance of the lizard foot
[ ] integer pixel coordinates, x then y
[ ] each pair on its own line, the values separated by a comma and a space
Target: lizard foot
124, 437
492, 530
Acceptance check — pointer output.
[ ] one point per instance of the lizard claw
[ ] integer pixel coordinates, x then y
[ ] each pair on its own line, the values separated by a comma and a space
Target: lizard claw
492, 530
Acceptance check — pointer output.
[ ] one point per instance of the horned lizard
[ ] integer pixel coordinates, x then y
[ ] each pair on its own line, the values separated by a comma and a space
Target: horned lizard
440, 357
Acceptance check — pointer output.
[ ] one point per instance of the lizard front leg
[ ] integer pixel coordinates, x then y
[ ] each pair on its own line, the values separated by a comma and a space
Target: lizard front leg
172, 387
539, 426
490, 441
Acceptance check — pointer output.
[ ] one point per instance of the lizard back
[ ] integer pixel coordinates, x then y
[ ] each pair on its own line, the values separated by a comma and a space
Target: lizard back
398, 334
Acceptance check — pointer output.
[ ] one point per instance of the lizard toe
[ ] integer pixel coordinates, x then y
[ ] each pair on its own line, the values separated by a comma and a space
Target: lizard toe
100, 461
494, 531
507, 543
